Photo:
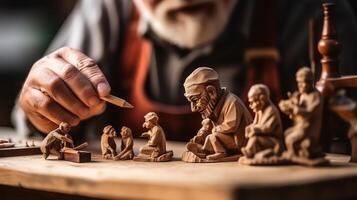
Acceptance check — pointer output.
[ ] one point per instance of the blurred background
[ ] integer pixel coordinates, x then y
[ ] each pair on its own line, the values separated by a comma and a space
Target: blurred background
26, 29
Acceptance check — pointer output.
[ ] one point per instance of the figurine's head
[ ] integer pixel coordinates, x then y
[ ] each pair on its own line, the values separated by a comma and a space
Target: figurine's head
258, 97
65, 127
187, 24
125, 132
305, 80
151, 120
109, 130
202, 90
207, 124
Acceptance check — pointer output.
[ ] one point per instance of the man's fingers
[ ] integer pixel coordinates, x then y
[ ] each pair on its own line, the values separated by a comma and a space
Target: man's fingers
41, 123
44, 105
88, 67
59, 91
75, 80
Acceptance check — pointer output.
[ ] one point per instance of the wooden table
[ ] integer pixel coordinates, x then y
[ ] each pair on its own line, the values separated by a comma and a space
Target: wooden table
178, 180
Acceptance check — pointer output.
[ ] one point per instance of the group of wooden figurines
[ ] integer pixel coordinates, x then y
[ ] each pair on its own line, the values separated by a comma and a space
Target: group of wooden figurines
229, 132
154, 150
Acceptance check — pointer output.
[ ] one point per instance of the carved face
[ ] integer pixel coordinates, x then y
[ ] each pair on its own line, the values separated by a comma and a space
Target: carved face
203, 100
125, 132
186, 23
65, 127
257, 102
148, 124
112, 133
303, 84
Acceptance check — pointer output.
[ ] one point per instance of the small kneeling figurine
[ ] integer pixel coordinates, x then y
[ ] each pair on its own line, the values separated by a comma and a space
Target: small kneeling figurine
304, 107
202, 134
265, 134
155, 149
127, 144
107, 142
227, 113
56, 140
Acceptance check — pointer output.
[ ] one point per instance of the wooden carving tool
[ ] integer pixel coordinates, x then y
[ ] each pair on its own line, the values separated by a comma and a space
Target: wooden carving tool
117, 101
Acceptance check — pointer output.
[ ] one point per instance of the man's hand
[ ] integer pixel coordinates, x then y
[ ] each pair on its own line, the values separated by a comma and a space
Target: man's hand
64, 86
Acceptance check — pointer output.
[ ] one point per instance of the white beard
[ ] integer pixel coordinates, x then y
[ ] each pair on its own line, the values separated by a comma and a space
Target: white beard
187, 30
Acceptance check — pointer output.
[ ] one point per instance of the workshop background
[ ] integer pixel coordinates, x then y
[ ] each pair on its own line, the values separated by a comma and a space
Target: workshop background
26, 29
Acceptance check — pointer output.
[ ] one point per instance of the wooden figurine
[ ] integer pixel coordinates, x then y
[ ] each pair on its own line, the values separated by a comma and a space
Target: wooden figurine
265, 134
346, 108
107, 142
59, 143
206, 129
304, 107
155, 149
53, 142
127, 144
227, 113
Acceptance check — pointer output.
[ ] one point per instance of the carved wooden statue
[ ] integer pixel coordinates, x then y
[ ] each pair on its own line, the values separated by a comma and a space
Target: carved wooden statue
346, 108
127, 144
206, 129
55, 141
107, 142
305, 109
155, 149
224, 109
265, 134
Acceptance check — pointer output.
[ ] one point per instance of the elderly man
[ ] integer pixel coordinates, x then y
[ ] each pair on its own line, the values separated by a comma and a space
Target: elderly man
266, 131
227, 112
141, 50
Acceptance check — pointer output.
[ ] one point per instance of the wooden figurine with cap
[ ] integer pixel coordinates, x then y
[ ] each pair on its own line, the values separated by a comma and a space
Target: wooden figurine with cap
265, 134
227, 113
155, 149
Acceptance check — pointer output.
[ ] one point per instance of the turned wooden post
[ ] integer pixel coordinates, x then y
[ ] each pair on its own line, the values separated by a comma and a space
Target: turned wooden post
329, 48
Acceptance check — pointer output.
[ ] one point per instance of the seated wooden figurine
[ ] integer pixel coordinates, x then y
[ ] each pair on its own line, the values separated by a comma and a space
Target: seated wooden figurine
265, 134
304, 107
59, 143
127, 144
155, 149
107, 142
227, 112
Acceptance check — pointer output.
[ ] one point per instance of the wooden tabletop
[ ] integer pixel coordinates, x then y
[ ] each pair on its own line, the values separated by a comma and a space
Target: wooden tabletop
180, 180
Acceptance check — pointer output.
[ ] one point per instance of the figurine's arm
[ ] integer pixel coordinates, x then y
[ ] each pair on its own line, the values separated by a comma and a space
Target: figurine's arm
126, 147
232, 119
58, 135
154, 139
307, 109
266, 126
